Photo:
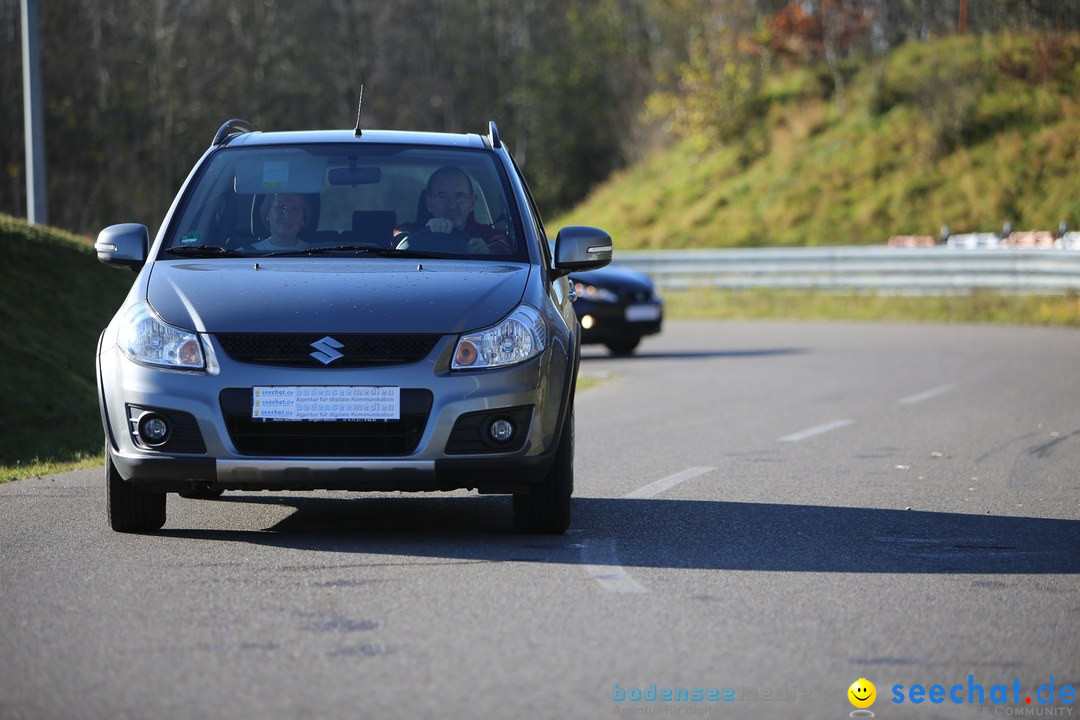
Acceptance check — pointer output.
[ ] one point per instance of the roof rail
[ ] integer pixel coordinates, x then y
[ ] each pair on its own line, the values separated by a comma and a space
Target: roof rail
236, 126
493, 135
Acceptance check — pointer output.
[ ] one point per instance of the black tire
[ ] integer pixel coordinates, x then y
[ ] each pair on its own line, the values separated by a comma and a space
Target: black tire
131, 511
201, 492
546, 509
623, 347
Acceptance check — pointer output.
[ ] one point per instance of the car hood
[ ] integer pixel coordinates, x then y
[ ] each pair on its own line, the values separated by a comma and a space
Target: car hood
334, 295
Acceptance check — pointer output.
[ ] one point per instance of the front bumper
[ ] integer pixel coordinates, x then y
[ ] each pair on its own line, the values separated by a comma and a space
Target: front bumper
171, 473
543, 384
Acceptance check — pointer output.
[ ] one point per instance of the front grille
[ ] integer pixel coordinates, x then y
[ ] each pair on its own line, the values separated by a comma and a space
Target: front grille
310, 438
295, 349
636, 296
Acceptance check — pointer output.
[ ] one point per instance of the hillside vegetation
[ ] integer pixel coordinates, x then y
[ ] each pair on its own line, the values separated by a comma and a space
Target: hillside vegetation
55, 299
574, 86
964, 131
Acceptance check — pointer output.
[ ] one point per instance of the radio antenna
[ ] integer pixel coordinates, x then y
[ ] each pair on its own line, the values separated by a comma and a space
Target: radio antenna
359, 107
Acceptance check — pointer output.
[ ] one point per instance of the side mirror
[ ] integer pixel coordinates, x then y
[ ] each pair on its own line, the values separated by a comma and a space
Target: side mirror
124, 245
581, 248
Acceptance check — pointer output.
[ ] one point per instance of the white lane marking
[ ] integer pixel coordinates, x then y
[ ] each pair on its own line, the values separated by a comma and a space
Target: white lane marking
602, 565
925, 395
655, 488
599, 558
817, 430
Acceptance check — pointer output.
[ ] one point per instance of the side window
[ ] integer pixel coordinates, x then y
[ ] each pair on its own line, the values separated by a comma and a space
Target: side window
209, 213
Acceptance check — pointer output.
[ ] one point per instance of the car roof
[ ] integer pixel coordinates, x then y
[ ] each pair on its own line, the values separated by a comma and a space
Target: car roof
378, 137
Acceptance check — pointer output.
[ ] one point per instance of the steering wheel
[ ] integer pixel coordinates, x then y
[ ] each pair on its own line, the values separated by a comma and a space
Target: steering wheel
426, 240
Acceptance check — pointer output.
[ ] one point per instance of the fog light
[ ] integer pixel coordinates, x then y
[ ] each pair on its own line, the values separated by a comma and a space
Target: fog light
587, 321
153, 429
501, 430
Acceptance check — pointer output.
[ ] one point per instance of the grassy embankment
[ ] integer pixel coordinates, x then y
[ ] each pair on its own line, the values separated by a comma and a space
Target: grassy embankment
55, 298
968, 132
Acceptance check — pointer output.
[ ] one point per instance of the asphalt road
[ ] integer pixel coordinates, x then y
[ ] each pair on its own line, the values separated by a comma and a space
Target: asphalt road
764, 514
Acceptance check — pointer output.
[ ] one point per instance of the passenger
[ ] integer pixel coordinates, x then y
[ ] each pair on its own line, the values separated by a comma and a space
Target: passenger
449, 202
286, 215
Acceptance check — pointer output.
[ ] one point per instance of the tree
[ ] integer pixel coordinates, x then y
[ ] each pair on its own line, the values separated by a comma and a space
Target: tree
134, 89
720, 82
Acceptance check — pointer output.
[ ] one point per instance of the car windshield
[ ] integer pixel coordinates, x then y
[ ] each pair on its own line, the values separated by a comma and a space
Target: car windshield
347, 200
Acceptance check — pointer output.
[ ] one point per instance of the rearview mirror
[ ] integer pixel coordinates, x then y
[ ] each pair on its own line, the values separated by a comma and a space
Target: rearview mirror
354, 175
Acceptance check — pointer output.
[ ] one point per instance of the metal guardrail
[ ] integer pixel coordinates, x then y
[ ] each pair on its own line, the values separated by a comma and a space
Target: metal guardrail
925, 271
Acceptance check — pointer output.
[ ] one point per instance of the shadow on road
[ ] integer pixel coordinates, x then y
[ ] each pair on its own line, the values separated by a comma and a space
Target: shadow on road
672, 534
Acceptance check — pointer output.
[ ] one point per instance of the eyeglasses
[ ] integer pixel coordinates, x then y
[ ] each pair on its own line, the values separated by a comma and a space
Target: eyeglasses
286, 210
459, 198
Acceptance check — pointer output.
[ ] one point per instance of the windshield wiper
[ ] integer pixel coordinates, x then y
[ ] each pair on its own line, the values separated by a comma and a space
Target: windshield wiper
326, 250
204, 251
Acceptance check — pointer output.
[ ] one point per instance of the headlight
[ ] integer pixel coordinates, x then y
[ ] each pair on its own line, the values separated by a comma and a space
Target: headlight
520, 336
595, 293
145, 338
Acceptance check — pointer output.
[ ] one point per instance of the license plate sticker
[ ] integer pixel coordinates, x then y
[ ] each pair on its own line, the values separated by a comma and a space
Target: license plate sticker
326, 403
642, 313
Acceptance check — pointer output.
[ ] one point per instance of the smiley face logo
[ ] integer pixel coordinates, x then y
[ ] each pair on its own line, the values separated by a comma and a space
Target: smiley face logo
862, 693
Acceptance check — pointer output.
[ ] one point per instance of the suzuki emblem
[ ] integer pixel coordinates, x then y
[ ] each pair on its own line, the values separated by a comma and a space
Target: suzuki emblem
327, 350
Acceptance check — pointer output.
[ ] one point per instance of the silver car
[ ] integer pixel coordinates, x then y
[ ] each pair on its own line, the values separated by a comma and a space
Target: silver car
351, 310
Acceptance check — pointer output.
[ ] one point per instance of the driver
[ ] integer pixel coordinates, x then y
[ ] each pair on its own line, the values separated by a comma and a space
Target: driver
449, 202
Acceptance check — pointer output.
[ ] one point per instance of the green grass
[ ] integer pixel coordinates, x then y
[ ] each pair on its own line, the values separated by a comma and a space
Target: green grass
977, 307
55, 298
21, 471
964, 131
586, 382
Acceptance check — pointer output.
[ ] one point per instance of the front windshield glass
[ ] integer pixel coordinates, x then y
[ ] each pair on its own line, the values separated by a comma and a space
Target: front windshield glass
337, 200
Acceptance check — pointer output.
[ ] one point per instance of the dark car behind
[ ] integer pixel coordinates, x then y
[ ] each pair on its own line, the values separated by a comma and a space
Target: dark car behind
617, 307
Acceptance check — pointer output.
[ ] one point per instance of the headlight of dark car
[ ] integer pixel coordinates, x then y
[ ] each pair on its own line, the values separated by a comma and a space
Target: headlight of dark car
595, 293
521, 336
146, 339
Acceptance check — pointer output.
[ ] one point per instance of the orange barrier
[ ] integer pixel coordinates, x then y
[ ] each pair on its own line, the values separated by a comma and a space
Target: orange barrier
1029, 239
912, 241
